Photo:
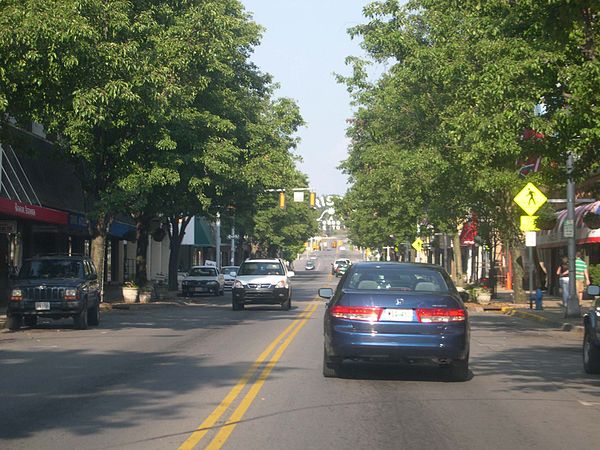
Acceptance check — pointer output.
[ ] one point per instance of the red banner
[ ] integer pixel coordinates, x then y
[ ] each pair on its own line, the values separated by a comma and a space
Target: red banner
39, 213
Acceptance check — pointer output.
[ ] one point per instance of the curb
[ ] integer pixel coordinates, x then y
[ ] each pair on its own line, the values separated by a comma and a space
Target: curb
564, 326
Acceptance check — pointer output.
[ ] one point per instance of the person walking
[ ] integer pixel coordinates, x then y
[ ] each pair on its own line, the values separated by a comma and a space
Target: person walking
563, 279
582, 276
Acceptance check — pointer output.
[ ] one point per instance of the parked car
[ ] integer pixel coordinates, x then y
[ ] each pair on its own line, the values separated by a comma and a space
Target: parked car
310, 265
396, 312
591, 334
203, 280
55, 287
262, 281
230, 272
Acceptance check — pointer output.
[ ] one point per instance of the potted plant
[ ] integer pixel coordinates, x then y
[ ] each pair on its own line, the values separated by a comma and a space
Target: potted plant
130, 292
546, 219
146, 293
484, 296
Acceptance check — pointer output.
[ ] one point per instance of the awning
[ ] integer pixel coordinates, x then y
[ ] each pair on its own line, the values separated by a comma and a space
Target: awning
33, 212
555, 237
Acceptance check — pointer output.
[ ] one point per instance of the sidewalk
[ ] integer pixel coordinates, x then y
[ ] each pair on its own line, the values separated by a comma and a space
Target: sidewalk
552, 314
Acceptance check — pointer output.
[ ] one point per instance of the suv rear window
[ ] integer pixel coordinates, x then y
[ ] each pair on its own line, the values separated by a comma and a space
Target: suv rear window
203, 272
397, 279
51, 268
261, 268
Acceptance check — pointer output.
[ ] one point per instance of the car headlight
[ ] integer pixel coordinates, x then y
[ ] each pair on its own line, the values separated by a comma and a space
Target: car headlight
70, 294
16, 295
238, 284
281, 284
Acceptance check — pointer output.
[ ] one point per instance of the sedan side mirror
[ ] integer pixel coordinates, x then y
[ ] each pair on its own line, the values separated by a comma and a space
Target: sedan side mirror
593, 289
326, 293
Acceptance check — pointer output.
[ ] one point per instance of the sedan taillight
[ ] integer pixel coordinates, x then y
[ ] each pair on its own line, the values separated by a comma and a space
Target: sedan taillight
429, 315
365, 313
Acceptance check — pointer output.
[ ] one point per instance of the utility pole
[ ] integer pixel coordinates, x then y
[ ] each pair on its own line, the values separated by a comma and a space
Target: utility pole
570, 232
218, 240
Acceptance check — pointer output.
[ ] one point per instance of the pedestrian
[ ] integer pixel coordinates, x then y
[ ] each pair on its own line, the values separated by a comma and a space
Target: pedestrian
582, 276
563, 279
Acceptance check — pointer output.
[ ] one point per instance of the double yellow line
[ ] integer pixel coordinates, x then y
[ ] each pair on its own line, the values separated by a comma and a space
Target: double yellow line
283, 340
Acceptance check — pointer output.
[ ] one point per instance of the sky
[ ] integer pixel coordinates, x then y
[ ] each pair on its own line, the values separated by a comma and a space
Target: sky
304, 43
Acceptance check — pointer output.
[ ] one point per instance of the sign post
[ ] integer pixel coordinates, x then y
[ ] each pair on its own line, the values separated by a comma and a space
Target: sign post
530, 199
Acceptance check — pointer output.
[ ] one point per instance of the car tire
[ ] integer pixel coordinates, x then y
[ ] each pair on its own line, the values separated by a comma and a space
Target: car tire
13, 323
30, 321
80, 320
591, 354
216, 292
330, 369
287, 305
458, 370
93, 316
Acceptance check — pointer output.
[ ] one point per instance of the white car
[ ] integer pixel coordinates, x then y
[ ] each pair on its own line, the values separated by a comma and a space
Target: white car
203, 280
230, 272
262, 282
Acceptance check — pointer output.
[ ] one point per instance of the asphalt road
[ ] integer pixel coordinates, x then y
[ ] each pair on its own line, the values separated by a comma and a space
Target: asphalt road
168, 377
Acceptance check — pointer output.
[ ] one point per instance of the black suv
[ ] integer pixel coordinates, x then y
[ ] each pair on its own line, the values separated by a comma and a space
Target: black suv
591, 335
55, 287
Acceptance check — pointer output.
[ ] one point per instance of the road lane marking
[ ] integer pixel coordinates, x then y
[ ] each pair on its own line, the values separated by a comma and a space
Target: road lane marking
238, 414
210, 421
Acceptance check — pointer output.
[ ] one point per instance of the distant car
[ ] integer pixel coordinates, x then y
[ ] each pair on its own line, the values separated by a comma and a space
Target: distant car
263, 282
337, 263
591, 334
396, 312
55, 287
310, 265
203, 280
230, 272
341, 269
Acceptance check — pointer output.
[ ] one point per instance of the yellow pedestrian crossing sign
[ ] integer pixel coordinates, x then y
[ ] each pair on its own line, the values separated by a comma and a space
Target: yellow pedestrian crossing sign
530, 199
528, 223
418, 244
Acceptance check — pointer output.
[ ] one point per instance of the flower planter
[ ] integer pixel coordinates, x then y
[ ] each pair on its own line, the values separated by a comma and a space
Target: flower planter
484, 297
592, 220
145, 296
130, 294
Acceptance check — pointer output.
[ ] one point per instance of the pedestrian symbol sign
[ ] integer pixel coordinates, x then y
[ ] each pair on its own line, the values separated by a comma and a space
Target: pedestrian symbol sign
530, 199
418, 244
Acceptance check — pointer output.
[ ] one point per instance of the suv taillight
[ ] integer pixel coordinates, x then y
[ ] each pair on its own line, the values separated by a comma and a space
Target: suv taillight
16, 295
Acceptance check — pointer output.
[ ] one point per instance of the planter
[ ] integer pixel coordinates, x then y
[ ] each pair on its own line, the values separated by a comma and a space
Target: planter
145, 296
592, 220
130, 294
484, 297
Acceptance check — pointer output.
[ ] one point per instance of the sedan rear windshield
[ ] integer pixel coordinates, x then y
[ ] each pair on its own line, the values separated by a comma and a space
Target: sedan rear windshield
203, 272
260, 268
397, 279
51, 268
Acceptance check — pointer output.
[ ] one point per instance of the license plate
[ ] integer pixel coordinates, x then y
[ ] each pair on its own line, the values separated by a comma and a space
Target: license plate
199, 289
42, 306
397, 315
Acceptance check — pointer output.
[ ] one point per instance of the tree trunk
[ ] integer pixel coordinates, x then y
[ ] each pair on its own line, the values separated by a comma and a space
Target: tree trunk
176, 233
518, 272
98, 255
458, 280
142, 226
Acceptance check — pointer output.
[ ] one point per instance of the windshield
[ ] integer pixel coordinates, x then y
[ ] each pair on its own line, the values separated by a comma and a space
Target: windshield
229, 269
397, 279
202, 272
51, 268
261, 268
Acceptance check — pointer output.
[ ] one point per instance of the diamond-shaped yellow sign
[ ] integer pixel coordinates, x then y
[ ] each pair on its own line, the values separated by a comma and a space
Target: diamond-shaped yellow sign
528, 223
418, 244
530, 199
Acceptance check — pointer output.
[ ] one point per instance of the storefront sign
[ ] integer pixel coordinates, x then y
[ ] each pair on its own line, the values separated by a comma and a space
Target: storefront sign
8, 226
33, 212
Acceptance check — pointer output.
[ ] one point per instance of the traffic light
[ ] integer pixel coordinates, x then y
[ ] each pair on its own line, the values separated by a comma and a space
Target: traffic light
282, 200
312, 199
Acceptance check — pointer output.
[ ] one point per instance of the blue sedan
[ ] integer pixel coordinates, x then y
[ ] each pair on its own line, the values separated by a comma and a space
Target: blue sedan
396, 312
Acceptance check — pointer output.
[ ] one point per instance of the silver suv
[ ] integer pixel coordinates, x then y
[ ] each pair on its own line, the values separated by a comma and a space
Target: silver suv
263, 282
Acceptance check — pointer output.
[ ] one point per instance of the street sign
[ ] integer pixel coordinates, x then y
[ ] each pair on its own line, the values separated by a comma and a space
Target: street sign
418, 244
530, 199
568, 228
530, 240
233, 236
528, 223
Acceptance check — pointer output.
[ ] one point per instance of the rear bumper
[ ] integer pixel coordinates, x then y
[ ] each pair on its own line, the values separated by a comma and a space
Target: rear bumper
266, 296
57, 308
452, 344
